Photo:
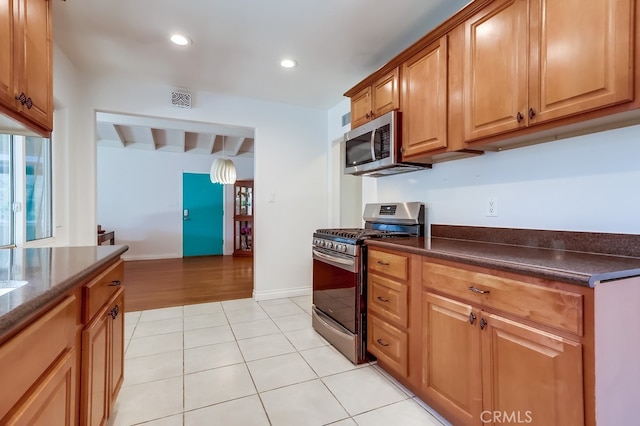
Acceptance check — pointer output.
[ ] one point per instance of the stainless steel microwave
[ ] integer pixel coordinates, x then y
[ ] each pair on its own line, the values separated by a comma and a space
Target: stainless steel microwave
373, 148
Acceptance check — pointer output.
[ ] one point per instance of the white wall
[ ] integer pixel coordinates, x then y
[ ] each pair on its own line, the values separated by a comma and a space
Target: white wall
73, 195
140, 198
290, 165
345, 201
586, 183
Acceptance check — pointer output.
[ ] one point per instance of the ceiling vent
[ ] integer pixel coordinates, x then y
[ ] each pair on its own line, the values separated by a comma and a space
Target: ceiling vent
180, 99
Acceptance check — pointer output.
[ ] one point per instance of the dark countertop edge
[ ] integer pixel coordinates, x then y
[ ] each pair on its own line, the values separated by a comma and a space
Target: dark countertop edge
576, 278
21, 315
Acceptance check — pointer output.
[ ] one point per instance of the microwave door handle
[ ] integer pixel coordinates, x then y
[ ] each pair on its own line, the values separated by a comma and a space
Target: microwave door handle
373, 145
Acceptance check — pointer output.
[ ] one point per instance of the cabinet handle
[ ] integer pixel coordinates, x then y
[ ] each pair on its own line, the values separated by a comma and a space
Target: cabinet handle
477, 290
483, 323
367, 115
382, 299
382, 343
532, 113
380, 262
472, 318
113, 313
519, 117
115, 283
29, 103
22, 98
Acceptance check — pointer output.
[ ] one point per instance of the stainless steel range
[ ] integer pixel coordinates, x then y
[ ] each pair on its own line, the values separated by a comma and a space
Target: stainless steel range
340, 273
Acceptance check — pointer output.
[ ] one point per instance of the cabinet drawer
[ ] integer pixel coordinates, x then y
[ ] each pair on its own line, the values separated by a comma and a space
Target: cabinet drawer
388, 344
549, 306
25, 357
100, 290
391, 264
388, 299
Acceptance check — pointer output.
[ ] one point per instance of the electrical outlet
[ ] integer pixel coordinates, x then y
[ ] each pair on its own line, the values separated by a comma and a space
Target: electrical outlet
492, 207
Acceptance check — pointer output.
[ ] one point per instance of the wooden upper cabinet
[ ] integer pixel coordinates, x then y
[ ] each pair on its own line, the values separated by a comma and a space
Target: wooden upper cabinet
533, 374
375, 100
386, 94
531, 61
424, 100
7, 44
26, 63
581, 56
495, 69
37, 61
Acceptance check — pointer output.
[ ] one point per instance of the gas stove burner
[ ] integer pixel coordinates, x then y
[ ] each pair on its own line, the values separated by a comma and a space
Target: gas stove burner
359, 233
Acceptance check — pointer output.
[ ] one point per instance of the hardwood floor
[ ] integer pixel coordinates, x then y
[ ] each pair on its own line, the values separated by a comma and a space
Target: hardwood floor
151, 284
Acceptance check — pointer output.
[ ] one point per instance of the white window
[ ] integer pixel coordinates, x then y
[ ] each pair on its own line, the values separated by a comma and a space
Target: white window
25, 189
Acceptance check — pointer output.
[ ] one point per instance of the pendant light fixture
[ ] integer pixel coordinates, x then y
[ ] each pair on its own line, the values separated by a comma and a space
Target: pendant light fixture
223, 170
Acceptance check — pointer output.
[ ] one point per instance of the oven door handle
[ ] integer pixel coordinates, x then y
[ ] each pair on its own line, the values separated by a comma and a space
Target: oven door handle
347, 264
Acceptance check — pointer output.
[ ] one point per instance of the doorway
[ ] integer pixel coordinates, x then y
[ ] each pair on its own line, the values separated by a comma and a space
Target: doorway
202, 216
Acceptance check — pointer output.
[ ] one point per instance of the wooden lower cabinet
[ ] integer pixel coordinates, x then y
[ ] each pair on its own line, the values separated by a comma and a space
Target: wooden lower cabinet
102, 362
480, 368
451, 359
481, 346
53, 400
529, 375
38, 370
389, 345
66, 367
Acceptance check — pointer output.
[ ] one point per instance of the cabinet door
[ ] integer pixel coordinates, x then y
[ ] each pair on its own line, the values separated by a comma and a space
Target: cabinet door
53, 399
36, 61
530, 375
495, 69
424, 101
385, 94
451, 364
95, 371
361, 107
7, 54
581, 56
116, 334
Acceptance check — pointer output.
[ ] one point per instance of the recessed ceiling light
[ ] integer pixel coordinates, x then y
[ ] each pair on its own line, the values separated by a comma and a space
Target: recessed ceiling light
180, 40
288, 63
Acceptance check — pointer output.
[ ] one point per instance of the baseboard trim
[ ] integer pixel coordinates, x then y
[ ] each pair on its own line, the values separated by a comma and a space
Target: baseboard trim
259, 296
151, 257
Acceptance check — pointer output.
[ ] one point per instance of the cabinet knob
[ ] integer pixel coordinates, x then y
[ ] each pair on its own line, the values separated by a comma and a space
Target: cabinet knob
367, 115
519, 117
29, 103
22, 98
472, 318
532, 113
483, 323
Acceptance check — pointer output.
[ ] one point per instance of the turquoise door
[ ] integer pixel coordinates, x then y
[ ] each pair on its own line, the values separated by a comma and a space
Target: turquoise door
202, 215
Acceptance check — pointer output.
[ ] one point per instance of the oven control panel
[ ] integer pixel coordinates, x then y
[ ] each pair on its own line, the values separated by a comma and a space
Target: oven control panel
336, 246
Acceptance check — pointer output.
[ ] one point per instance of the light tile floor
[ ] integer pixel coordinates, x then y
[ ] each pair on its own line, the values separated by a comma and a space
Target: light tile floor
246, 363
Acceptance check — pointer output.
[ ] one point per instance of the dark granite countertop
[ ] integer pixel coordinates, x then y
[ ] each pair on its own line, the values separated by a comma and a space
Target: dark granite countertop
541, 254
46, 274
